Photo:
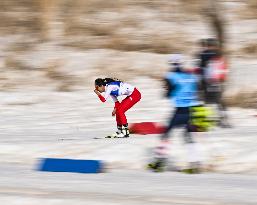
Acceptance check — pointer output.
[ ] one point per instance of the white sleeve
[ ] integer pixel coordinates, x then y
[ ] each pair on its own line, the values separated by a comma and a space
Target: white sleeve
108, 92
115, 99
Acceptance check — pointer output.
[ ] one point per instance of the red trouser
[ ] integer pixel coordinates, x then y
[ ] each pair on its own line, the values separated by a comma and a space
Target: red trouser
126, 104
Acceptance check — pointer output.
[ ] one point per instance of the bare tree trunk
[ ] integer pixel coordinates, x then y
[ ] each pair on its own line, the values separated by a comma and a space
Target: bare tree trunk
217, 22
46, 14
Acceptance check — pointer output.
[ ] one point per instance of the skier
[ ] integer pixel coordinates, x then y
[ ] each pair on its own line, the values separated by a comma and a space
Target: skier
114, 88
182, 88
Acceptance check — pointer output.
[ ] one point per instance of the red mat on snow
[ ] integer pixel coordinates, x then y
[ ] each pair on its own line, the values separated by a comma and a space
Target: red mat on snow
145, 128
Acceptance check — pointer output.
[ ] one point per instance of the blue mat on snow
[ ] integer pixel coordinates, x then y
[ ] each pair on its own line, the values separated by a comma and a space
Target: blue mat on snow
70, 165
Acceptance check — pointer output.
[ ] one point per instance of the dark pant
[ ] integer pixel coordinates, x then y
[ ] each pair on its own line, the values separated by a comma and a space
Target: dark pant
213, 95
181, 118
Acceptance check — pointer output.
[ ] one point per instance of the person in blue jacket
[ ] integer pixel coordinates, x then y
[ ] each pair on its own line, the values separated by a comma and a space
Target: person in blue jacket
182, 90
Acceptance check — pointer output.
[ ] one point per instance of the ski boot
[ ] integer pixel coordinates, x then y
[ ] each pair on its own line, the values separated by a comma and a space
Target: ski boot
194, 168
122, 132
158, 165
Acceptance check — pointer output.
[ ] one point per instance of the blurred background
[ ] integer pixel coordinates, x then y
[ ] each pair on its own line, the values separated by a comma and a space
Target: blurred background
51, 51
64, 44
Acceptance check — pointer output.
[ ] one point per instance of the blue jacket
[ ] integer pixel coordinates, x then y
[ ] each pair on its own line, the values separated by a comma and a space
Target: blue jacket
185, 89
115, 92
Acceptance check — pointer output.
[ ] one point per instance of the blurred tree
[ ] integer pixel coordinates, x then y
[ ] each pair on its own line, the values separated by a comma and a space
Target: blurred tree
217, 22
46, 7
